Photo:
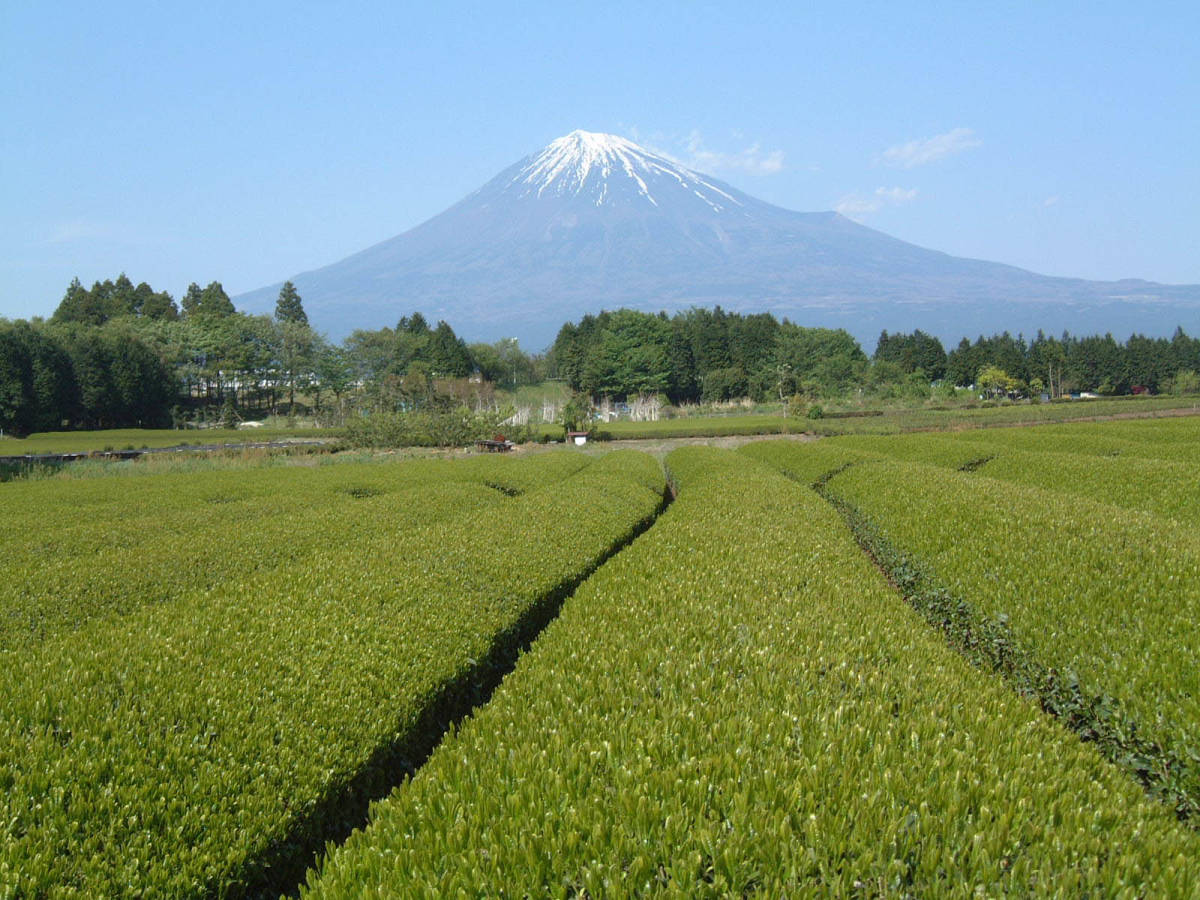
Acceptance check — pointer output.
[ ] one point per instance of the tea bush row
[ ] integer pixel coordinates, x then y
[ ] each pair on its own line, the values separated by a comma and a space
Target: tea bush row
1175, 439
1098, 595
75, 550
197, 747
1090, 463
738, 704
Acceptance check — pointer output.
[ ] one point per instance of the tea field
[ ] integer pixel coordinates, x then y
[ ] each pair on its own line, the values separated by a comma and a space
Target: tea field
915, 665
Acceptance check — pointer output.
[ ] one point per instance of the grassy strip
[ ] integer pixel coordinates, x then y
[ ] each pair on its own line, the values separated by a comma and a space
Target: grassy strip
738, 704
883, 421
203, 747
848, 421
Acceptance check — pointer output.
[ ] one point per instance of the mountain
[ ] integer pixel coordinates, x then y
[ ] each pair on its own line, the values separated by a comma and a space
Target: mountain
595, 221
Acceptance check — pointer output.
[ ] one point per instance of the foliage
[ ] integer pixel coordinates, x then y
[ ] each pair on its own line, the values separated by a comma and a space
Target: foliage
995, 382
1073, 363
1185, 383
738, 704
102, 377
210, 351
289, 307
112, 299
1100, 591
822, 362
702, 354
209, 301
576, 413
912, 353
724, 384
504, 363
229, 416
433, 426
193, 744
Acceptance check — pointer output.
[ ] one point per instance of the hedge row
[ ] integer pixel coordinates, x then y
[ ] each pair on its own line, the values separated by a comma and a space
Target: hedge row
204, 745
1100, 597
739, 704
76, 550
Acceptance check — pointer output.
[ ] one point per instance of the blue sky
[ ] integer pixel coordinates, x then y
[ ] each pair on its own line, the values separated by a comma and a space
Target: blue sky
248, 142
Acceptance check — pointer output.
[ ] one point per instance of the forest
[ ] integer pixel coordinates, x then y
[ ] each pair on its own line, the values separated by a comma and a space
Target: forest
124, 355
713, 355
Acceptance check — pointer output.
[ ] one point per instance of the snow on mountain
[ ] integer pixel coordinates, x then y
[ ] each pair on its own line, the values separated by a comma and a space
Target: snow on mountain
594, 221
583, 162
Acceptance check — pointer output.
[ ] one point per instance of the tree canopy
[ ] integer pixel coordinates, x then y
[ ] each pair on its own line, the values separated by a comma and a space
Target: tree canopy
111, 299
702, 354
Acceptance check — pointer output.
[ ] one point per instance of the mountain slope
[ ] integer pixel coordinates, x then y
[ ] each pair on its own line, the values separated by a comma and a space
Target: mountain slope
595, 221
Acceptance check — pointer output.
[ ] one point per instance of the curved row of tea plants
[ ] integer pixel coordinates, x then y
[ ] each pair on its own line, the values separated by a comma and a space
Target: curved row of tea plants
806, 462
199, 747
143, 438
738, 704
1159, 486
1089, 463
76, 550
1176, 439
1098, 596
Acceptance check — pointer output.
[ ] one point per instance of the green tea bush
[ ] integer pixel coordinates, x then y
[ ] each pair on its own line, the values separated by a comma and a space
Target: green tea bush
200, 745
1099, 596
81, 549
737, 705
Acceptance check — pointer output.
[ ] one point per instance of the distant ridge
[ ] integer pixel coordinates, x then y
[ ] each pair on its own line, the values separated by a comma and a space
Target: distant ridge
594, 221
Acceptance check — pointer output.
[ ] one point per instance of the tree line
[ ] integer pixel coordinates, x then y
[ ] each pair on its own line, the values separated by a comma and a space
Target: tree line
703, 355
119, 354
124, 355
1069, 363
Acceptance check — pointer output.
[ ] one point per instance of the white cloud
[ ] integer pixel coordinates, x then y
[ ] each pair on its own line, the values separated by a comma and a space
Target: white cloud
856, 206
92, 231
692, 153
752, 160
80, 230
927, 150
1050, 201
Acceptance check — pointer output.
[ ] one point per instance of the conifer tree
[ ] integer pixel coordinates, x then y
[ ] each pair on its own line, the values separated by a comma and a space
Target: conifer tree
214, 301
191, 299
288, 307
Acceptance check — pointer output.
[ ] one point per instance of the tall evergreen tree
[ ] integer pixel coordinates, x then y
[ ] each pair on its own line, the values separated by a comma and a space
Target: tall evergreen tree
53, 381
16, 383
414, 325
296, 343
288, 307
191, 299
448, 354
214, 301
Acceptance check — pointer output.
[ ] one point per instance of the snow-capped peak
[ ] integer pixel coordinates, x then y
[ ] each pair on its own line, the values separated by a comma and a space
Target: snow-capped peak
585, 161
